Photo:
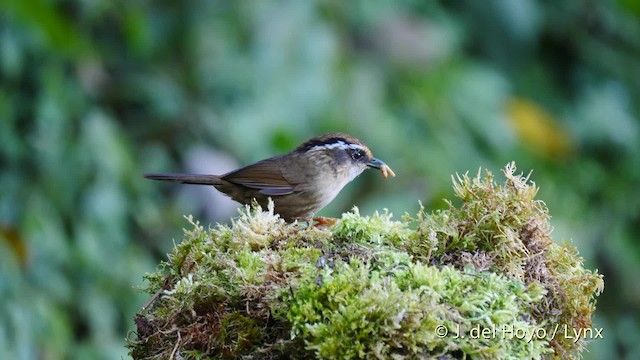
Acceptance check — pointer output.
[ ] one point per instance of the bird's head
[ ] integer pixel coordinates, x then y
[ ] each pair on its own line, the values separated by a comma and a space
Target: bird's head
345, 154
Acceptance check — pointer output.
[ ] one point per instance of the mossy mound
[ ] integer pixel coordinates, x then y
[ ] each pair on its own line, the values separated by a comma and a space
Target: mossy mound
483, 280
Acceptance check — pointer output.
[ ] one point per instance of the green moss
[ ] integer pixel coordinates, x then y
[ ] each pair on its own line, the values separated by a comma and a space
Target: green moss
387, 313
374, 287
375, 230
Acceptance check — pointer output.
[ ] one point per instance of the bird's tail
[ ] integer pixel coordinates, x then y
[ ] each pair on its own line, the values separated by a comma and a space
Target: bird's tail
185, 178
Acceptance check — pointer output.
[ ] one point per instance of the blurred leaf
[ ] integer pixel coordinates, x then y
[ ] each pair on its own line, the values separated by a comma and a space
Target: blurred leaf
48, 22
12, 53
603, 118
631, 6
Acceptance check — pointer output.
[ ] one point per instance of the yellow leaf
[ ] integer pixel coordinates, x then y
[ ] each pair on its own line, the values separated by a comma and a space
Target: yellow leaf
15, 241
538, 130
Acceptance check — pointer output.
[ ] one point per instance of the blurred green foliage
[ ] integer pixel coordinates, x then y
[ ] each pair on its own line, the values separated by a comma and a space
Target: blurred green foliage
94, 93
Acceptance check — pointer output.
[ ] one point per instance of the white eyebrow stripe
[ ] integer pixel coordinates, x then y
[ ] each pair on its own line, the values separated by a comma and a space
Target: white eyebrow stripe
340, 145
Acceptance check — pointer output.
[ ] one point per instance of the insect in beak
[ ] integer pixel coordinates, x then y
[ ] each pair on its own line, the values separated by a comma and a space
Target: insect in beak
379, 164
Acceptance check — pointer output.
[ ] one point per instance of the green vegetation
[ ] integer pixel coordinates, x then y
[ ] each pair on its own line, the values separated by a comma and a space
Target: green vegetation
373, 287
95, 93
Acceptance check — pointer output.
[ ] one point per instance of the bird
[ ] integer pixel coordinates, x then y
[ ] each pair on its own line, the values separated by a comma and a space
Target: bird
300, 182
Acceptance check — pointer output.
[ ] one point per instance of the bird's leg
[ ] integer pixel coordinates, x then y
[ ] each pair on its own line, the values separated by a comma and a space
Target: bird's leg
323, 221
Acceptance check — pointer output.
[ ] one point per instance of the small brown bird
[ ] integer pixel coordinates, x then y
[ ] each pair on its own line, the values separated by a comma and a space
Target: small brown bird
300, 183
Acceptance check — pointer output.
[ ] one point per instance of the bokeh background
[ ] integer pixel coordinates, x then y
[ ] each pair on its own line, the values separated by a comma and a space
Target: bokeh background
95, 93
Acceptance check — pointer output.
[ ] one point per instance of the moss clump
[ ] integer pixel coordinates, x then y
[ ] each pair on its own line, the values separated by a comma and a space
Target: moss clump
370, 286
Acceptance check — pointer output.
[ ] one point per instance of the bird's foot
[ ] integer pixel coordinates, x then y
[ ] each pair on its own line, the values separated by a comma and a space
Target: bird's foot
323, 221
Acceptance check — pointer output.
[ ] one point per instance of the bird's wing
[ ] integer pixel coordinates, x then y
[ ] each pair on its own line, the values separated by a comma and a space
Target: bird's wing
266, 176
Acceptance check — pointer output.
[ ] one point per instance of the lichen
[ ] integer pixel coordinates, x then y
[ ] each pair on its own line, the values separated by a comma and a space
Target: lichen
480, 280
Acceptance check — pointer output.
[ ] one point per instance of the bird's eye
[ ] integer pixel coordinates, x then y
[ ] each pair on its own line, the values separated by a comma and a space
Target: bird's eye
357, 155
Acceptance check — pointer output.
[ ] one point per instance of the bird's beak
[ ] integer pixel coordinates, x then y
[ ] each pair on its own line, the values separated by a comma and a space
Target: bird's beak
379, 164
375, 163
